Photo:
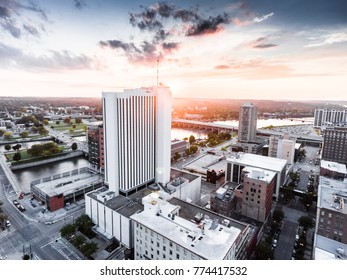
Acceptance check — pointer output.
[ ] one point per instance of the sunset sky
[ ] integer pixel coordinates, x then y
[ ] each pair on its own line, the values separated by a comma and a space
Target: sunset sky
256, 49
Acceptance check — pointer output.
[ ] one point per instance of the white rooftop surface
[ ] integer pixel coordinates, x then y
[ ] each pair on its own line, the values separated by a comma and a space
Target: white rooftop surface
263, 162
207, 162
259, 174
77, 182
326, 249
214, 245
297, 145
333, 166
328, 191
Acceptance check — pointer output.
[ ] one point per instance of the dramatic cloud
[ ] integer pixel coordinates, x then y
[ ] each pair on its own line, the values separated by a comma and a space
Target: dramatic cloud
80, 4
262, 18
146, 53
11, 57
14, 15
163, 21
208, 26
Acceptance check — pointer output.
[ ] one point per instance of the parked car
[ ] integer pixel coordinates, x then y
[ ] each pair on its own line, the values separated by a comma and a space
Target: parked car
15, 202
274, 243
7, 223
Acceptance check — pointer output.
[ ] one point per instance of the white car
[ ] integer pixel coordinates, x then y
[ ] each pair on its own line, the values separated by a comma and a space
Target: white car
7, 223
274, 243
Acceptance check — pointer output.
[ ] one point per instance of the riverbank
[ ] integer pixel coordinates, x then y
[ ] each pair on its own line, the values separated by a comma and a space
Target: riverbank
45, 160
26, 140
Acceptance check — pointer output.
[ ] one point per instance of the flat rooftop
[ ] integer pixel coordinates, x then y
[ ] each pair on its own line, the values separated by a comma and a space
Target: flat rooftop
176, 173
329, 249
333, 166
332, 194
207, 162
68, 185
259, 174
263, 162
213, 242
126, 206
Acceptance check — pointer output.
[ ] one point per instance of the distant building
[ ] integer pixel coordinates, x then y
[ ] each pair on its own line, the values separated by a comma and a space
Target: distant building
252, 197
333, 170
257, 190
95, 140
223, 200
330, 117
176, 230
247, 123
331, 227
282, 147
57, 190
192, 116
335, 145
237, 162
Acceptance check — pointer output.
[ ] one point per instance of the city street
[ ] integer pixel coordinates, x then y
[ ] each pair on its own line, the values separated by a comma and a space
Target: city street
26, 232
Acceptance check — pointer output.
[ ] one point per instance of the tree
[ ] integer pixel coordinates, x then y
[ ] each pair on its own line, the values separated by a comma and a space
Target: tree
191, 139
306, 222
68, 230
57, 122
24, 134
17, 147
89, 248
84, 224
74, 146
2, 132
7, 135
263, 251
78, 240
17, 156
7, 147
78, 120
278, 216
43, 131
193, 149
67, 120
176, 156
307, 200
34, 129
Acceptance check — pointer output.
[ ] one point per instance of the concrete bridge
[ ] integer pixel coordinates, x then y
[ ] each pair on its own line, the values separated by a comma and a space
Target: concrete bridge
180, 123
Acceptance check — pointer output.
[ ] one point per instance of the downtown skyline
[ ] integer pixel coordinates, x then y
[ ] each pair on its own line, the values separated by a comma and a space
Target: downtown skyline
224, 49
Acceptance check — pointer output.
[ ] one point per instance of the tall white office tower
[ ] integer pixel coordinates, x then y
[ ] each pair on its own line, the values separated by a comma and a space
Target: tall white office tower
247, 122
137, 138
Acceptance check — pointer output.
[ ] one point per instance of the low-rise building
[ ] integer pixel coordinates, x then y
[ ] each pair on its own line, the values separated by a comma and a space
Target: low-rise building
109, 214
238, 161
176, 230
331, 226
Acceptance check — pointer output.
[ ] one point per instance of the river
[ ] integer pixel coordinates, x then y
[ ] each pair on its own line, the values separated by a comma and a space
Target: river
26, 176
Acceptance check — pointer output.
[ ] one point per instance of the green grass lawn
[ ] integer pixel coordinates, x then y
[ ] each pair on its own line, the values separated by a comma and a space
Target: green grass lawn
63, 126
26, 156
